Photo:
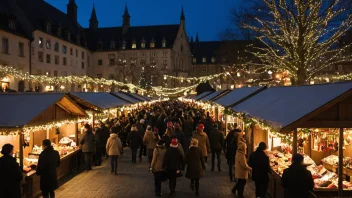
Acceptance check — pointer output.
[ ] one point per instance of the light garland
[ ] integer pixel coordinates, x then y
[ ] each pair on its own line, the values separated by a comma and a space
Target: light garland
200, 79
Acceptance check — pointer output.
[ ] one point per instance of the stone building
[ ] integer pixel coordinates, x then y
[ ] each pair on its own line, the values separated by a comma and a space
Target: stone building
40, 39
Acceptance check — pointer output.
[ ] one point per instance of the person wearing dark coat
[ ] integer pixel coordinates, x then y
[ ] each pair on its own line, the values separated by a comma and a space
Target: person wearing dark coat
216, 140
88, 146
259, 162
135, 141
230, 148
141, 129
179, 135
173, 163
98, 146
11, 176
49, 160
296, 180
105, 134
195, 165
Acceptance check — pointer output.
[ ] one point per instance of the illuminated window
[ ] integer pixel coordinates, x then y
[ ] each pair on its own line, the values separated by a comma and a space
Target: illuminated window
143, 45
134, 46
213, 59
204, 60
48, 44
40, 42
194, 60
164, 43
152, 45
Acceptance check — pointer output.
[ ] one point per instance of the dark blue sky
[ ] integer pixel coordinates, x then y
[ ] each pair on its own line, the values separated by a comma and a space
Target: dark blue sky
207, 17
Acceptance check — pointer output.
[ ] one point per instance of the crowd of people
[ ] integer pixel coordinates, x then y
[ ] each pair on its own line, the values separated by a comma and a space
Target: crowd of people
176, 137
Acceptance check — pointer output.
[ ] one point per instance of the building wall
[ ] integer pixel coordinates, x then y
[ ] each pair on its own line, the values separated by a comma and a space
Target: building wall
13, 58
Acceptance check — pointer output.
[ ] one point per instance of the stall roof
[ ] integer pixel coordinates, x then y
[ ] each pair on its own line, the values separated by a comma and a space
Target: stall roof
19, 109
237, 95
126, 97
211, 96
101, 100
202, 95
282, 106
139, 97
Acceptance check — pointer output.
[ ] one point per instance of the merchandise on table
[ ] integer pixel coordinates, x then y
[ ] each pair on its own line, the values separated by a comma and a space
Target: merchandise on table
334, 161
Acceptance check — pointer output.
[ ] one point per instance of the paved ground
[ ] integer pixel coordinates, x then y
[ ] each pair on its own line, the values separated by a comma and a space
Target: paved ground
134, 180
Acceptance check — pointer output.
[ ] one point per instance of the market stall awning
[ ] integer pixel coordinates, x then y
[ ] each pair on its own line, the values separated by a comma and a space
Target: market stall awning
212, 95
287, 108
98, 100
237, 95
139, 97
20, 109
202, 95
126, 97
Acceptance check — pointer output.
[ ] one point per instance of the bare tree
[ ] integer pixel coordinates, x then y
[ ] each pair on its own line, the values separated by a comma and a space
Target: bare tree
295, 34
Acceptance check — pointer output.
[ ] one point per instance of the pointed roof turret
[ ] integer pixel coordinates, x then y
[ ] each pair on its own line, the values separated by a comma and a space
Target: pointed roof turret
126, 14
93, 21
183, 14
191, 39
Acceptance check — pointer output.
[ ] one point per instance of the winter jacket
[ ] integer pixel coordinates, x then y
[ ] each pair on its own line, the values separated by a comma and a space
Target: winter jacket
48, 161
195, 163
98, 138
113, 145
134, 139
158, 158
230, 146
141, 129
104, 135
216, 140
173, 160
165, 138
178, 134
88, 142
150, 139
11, 177
259, 162
297, 181
203, 142
241, 166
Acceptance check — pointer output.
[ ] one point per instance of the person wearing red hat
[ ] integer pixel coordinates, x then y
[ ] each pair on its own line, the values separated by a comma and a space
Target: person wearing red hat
173, 163
203, 141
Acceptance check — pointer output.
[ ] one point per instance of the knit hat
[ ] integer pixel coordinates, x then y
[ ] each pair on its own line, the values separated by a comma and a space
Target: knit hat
194, 143
169, 124
174, 143
177, 126
160, 143
142, 121
200, 126
149, 128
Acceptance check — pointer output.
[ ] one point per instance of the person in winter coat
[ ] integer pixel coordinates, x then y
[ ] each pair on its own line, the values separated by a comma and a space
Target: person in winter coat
242, 168
187, 126
167, 137
150, 139
216, 139
114, 148
178, 133
259, 162
99, 146
296, 180
203, 141
230, 148
134, 139
104, 137
143, 148
11, 175
88, 146
173, 163
157, 166
48, 161
195, 165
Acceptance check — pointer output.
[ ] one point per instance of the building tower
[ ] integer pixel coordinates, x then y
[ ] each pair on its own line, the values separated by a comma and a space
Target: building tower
126, 19
72, 11
93, 21
182, 18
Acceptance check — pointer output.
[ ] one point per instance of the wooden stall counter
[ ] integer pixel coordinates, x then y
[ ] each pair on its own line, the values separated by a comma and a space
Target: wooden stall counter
67, 163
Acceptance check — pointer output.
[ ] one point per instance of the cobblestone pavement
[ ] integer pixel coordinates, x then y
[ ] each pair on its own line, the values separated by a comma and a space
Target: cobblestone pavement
134, 181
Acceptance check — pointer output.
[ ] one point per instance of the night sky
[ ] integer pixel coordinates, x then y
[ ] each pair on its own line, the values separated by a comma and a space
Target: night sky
207, 17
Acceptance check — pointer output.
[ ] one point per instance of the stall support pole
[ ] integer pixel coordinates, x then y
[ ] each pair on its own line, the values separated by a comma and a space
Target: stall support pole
21, 149
93, 119
340, 169
294, 146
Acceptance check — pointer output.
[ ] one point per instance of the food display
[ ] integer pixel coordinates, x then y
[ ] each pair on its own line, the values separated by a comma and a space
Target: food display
334, 161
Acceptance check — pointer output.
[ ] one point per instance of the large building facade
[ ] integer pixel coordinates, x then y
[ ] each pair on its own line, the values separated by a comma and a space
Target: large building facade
40, 39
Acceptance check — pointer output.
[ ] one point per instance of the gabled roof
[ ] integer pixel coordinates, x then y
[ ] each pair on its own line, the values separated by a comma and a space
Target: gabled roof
282, 106
139, 97
202, 95
236, 96
211, 96
19, 109
126, 97
99, 100
134, 33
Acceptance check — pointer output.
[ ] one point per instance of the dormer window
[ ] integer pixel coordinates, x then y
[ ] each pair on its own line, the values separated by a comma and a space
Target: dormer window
164, 42
194, 60
58, 31
204, 60
112, 45
48, 28
143, 43
123, 44
100, 45
68, 35
12, 24
213, 59
134, 45
152, 43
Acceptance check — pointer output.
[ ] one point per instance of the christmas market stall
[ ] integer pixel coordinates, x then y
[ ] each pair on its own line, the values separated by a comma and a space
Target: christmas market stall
135, 102
202, 95
29, 118
223, 103
313, 120
100, 106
